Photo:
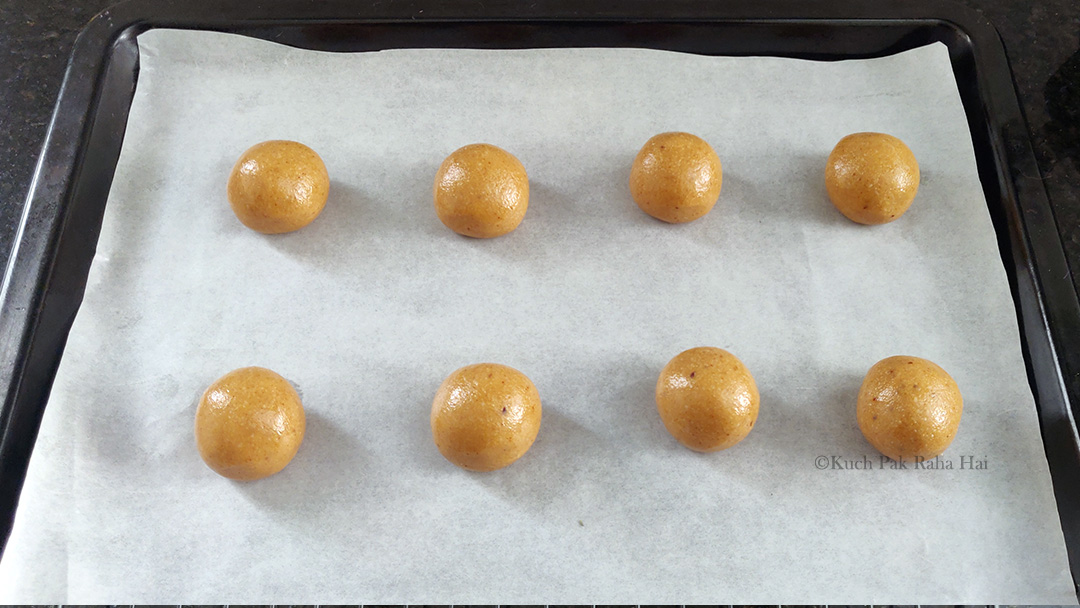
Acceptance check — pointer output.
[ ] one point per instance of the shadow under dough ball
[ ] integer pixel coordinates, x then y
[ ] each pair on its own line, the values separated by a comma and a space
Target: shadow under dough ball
909, 408
676, 177
278, 186
871, 178
707, 399
249, 424
485, 416
481, 191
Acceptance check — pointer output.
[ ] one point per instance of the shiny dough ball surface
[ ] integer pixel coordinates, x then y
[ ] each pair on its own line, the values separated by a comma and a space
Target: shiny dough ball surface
676, 177
707, 399
481, 191
872, 178
909, 408
278, 186
249, 424
485, 416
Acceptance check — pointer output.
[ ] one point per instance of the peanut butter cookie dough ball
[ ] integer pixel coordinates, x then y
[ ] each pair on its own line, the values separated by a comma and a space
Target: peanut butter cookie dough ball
249, 424
485, 416
871, 177
909, 408
707, 399
278, 186
676, 177
481, 191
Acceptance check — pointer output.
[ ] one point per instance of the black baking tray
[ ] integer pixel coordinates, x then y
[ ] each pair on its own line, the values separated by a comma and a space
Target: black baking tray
46, 274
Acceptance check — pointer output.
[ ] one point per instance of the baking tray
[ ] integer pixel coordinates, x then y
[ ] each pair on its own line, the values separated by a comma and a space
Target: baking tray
46, 274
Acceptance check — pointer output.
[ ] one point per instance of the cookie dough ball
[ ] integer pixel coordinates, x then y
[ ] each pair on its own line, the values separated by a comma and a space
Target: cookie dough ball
909, 408
485, 416
481, 191
278, 186
249, 424
872, 177
676, 177
707, 399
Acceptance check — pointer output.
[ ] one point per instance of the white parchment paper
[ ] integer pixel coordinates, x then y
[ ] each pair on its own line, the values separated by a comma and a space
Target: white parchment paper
370, 307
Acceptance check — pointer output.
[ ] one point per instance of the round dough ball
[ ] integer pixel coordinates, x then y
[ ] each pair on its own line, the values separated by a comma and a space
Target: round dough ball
278, 186
481, 191
676, 177
485, 416
872, 177
707, 399
909, 408
249, 424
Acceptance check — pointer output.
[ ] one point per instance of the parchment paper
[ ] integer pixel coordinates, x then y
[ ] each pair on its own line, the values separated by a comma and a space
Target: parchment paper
370, 307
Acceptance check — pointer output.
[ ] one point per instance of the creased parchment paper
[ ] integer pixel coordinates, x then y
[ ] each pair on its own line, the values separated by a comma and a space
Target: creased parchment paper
371, 306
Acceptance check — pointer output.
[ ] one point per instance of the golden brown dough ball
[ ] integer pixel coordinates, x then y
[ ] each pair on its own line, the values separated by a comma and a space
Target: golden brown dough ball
871, 177
909, 408
707, 399
676, 177
481, 191
249, 424
485, 416
278, 186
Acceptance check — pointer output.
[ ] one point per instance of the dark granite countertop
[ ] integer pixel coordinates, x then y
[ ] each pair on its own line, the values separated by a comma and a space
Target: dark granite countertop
1041, 38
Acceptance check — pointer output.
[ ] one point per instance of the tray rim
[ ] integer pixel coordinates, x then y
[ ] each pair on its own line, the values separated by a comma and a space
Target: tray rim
33, 327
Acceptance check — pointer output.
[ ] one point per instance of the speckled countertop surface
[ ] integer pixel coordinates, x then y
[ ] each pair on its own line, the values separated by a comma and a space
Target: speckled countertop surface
1042, 39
